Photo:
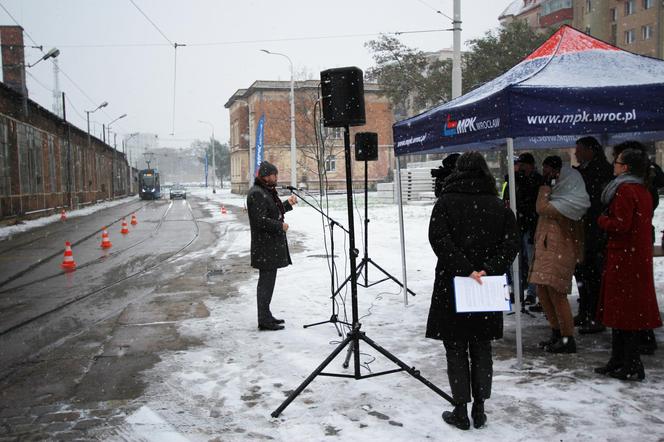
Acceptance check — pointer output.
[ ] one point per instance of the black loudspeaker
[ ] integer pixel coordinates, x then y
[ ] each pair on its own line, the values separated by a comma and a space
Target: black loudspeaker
366, 146
343, 97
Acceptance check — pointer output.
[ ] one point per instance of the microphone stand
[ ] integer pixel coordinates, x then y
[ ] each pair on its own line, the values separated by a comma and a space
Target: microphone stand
334, 317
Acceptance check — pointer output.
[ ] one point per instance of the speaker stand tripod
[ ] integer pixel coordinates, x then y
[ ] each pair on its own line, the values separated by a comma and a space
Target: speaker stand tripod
356, 335
364, 263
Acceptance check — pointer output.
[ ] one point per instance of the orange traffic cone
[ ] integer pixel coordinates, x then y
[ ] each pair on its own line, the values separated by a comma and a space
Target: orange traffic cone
125, 229
105, 241
63, 215
134, 221
68, 263
223, 210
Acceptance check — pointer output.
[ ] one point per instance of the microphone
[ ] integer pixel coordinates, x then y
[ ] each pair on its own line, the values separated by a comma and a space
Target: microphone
291, 188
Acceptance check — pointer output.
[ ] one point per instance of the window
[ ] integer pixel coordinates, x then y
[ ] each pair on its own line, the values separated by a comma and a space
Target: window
630, 7
647, 4
335, 133
331, 163
614, 14
589, 6
552, 6
647, 32
630, 36
236, 135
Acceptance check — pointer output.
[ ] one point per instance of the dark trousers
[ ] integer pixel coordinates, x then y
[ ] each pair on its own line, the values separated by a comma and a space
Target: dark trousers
589, 281
465, 377
625, 349
266, 280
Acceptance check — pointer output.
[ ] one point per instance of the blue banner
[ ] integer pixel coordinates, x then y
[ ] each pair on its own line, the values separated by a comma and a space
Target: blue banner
259, 144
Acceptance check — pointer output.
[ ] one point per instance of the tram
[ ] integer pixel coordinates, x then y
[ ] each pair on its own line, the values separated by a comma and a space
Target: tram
148, 184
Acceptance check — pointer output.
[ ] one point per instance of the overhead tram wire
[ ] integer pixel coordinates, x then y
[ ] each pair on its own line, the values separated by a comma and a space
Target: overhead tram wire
41, 48
175, 57
152, 23
242, 42
437, 11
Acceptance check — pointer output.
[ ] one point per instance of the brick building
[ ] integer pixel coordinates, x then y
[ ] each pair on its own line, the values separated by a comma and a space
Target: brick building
272, 99
539, 14
45, 162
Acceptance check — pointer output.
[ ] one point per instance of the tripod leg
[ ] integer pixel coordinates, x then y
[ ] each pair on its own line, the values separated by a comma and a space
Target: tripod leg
369, 260
349, 353
313, 374
410, 370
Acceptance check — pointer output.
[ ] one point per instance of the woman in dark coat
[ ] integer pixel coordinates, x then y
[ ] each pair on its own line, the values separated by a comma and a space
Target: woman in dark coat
628, 303
473, 234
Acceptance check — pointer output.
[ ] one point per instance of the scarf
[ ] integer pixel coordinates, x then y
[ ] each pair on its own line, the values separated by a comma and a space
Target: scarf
611, 188
272, 190
569, 194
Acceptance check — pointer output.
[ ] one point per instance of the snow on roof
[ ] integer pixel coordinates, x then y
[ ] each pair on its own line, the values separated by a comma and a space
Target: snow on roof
518, 7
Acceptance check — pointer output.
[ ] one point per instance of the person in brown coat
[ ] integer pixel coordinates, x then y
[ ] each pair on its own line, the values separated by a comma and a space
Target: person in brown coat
561, 203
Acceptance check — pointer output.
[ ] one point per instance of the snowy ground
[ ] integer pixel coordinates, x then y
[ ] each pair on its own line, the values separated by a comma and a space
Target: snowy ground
9, 231
226, 389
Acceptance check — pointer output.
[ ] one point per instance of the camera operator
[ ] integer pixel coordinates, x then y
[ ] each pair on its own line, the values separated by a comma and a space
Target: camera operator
442, 172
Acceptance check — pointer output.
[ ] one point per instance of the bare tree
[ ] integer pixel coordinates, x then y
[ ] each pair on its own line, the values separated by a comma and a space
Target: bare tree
315, 143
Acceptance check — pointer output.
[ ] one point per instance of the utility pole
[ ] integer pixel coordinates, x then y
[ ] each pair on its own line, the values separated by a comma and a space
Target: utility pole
67, 128
456, 57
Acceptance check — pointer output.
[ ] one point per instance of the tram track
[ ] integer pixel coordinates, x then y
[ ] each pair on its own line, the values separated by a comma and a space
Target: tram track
88, 263
42, 260
105, 287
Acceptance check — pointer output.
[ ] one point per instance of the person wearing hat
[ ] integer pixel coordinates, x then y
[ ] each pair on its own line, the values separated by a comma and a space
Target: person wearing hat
269, 246
528, 182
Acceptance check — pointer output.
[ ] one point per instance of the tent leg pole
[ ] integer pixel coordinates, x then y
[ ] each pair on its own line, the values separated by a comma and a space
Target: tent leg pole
516, 280
401, 235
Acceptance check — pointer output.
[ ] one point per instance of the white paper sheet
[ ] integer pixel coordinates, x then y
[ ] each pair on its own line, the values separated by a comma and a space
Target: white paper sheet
491, 296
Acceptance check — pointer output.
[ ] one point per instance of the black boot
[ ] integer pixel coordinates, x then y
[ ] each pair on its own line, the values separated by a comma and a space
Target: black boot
477, 413
555, 335
458, 417
629, 374
565, 344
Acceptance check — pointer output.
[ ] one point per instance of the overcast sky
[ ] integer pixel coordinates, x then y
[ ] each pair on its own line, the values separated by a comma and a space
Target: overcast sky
113, 53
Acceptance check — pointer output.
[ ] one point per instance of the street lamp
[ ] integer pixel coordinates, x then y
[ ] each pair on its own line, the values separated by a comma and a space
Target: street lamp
54, 52
292, 117
214, 168
104, 104
108, 126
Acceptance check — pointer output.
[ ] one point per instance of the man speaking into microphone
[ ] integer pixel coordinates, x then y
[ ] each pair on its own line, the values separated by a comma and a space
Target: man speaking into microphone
269, 246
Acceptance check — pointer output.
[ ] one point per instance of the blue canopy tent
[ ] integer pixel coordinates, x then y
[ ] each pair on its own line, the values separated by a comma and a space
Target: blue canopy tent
573, 85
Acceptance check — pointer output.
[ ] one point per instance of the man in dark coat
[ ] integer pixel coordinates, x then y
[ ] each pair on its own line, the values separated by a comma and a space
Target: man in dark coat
596, 172
472, 234
528, 182
269, 247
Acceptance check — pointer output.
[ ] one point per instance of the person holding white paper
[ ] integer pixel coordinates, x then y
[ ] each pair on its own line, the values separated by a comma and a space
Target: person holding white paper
472, 234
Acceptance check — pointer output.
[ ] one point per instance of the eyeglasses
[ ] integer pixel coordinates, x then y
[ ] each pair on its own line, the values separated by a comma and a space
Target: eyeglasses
618, 162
